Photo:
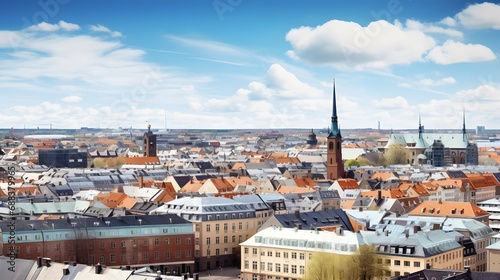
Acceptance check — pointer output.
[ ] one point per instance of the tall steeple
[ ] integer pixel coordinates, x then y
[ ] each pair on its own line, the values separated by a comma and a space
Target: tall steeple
420, 129
335, 130
464, 131
334, 164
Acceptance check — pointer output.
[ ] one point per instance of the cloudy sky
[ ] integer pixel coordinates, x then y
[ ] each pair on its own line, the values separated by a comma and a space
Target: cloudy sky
248, 63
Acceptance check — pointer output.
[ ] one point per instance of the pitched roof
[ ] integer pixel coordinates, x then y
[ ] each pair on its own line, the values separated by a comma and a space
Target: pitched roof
449, 209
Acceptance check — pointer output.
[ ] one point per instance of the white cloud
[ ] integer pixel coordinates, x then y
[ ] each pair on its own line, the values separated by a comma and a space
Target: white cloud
68, 26
430, 28
347, 45
101, 28
477, 16
72, 99
449, 21
456, 52
47, 27
398, 102
440, 82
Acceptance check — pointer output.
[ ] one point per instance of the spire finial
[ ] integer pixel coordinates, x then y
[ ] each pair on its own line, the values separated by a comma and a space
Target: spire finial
335, 131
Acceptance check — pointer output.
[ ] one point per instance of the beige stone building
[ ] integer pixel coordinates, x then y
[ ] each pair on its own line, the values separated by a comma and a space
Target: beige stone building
283, 253
220, 225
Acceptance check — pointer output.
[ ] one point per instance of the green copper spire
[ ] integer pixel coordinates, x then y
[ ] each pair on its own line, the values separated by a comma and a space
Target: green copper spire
335, 130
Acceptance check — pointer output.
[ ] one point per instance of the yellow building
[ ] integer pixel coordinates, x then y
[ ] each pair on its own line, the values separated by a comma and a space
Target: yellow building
220, 225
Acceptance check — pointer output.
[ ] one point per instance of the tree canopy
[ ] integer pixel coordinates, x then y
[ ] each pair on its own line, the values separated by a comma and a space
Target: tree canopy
395, 154
364, 265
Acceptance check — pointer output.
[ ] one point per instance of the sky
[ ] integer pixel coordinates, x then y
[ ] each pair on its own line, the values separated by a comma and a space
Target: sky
245, 64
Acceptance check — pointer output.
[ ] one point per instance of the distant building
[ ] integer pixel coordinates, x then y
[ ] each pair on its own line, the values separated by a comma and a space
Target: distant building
438, 149
72, 158
149, 143
312, 140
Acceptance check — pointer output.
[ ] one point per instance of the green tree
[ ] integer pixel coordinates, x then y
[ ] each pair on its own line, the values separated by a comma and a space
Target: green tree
364, 162
351, 162
395, 154
326, 266
99, 162
367, 265
363, 265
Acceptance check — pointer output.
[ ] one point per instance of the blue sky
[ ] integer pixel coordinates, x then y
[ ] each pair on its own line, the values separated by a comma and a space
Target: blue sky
248, 64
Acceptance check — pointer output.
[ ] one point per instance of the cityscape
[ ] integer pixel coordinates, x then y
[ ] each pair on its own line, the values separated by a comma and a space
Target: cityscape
350, 141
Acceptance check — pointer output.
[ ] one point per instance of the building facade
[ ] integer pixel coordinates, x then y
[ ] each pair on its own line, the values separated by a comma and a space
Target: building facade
163, 242
220, 224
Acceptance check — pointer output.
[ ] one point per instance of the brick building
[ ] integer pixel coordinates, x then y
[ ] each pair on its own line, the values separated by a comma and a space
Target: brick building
163, 242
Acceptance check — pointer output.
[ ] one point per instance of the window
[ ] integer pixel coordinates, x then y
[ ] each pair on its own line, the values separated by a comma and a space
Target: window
217, 252
285, 268
254, 251
246, 265
178, 241
167, 241
113, 244
270, 253
406, 263
112, 258
178, 254
145, 256
166, 255
262, 265
302, 256
217, 228
269, 266
301, 270
208, 240
156, 241
285, 255
225, 227
278, 267
157, 255
397, 262
102, 259
145, 243
278, 254
188, 253
188, 240
254, 265
416, 264
294, 255
217, 240
294, 269
208, 228
225, 239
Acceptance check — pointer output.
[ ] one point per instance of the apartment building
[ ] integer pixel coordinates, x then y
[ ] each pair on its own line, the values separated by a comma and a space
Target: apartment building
163, 242
283, 253
220, 224
408, 252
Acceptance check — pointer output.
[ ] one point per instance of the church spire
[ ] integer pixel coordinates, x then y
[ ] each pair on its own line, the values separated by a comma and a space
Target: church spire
335, 130
464, 131
420, 128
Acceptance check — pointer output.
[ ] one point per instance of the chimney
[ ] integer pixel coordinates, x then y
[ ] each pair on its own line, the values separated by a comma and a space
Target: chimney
379, 195
98, 268
46, 262
436, 226
297, 213
66, 270
407, 233
141, 182
196, 276
386, 232
416, 229
39, 262
158, 275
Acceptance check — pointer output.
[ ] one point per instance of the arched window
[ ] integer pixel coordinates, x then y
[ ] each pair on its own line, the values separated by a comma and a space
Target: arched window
331, 145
